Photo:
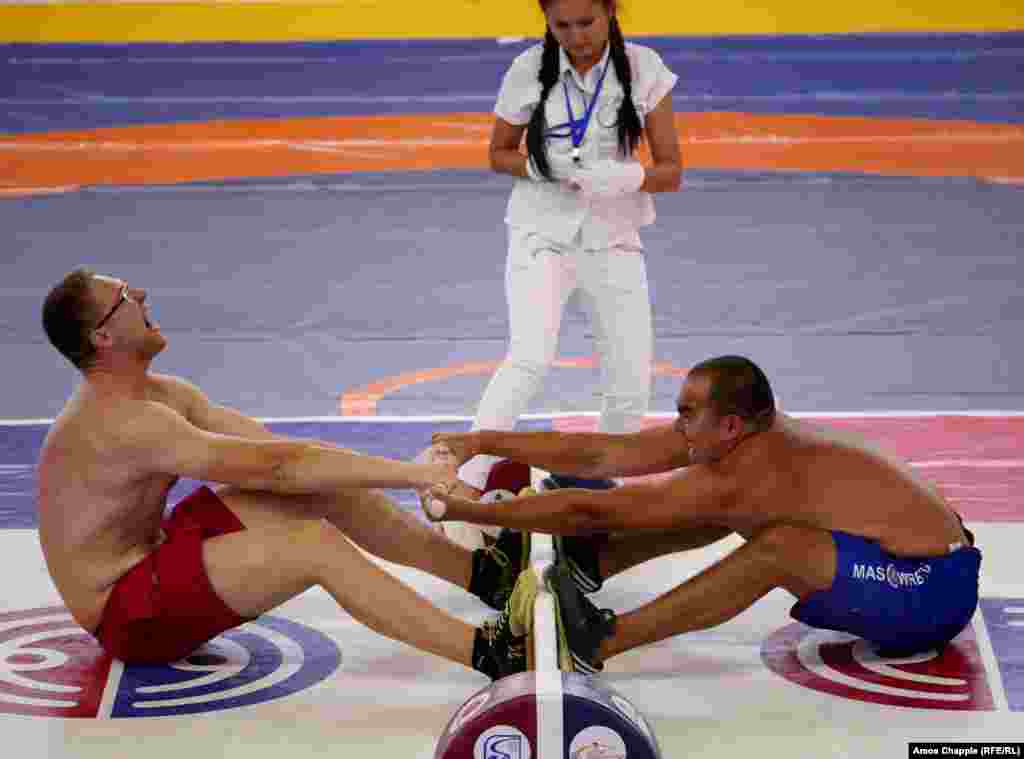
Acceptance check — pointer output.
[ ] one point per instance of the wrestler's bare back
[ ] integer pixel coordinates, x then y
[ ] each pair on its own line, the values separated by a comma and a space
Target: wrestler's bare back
99, 510
802, 473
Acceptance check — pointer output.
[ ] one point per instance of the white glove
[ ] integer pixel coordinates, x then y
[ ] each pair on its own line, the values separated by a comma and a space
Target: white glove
608, 178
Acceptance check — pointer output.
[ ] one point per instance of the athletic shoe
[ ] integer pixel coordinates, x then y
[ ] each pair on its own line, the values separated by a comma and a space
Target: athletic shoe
500, 645
581, 625
497, 566
559, 481
580, 553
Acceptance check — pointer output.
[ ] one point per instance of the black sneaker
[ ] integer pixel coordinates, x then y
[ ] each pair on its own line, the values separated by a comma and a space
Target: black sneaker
497, 650
580, 552
497, 566
581, 625
558, 481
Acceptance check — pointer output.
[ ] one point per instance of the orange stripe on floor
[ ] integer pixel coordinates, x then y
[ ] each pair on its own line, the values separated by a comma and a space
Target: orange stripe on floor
223, 150
362, 401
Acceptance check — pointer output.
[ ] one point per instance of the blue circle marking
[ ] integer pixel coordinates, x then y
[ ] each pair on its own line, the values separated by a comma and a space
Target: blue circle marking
262, 660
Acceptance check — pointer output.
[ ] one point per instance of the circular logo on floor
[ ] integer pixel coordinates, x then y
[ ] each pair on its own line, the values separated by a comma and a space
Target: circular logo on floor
597, 742
50, 667
845, 666
502, 742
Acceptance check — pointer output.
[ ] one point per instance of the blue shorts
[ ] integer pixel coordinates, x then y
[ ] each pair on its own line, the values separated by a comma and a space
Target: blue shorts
902, 605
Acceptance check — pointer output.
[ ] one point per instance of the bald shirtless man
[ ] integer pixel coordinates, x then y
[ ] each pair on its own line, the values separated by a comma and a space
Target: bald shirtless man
153, 589
864, 544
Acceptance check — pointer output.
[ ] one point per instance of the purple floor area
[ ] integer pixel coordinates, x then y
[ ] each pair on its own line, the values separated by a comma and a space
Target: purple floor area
934, 76
855, 293
279, 296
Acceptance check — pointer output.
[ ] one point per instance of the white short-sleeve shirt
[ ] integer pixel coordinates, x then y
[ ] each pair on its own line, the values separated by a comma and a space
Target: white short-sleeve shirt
550, 208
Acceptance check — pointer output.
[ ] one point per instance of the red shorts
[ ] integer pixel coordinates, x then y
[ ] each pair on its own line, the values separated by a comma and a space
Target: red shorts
164, 608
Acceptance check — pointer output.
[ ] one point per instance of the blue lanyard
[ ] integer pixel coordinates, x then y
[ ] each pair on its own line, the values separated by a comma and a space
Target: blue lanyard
578, 127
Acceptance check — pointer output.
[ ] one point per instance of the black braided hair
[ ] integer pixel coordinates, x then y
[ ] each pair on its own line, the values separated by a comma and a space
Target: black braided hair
630, 128
548, 78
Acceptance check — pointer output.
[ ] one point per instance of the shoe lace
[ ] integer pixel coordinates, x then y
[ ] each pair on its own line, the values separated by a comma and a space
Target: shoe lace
500, 557
500, 626
499, 634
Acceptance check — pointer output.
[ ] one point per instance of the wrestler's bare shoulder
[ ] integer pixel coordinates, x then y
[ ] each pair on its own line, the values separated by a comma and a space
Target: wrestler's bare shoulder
808, 444
814, 459
176, 392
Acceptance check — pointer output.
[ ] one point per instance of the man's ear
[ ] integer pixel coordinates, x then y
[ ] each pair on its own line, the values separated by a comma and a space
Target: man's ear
100, 338
734, 426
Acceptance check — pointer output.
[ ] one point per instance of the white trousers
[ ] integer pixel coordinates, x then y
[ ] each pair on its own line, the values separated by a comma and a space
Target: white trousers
540, 275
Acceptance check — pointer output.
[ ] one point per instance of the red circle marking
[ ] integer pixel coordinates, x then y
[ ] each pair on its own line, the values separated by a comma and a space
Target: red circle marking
362, 401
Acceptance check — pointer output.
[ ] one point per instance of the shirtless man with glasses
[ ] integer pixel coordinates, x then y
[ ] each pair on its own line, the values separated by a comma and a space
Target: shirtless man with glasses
289, 515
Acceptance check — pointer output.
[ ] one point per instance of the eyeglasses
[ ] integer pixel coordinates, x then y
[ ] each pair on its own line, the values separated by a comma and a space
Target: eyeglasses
120, 300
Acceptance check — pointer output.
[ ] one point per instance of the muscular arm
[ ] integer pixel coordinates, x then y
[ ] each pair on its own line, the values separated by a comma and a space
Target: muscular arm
214, 417
585, 454
160, 440
200, 411
694, 497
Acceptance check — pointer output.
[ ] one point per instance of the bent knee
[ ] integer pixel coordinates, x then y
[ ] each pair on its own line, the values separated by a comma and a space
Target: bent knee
785, 539
315, 532
303, 539
805, 557
314, 544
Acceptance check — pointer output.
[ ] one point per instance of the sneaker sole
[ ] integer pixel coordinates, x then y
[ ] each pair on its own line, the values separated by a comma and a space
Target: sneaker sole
565, 601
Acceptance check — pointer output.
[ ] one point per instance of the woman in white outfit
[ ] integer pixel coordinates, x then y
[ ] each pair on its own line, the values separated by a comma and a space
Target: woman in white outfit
584, 99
